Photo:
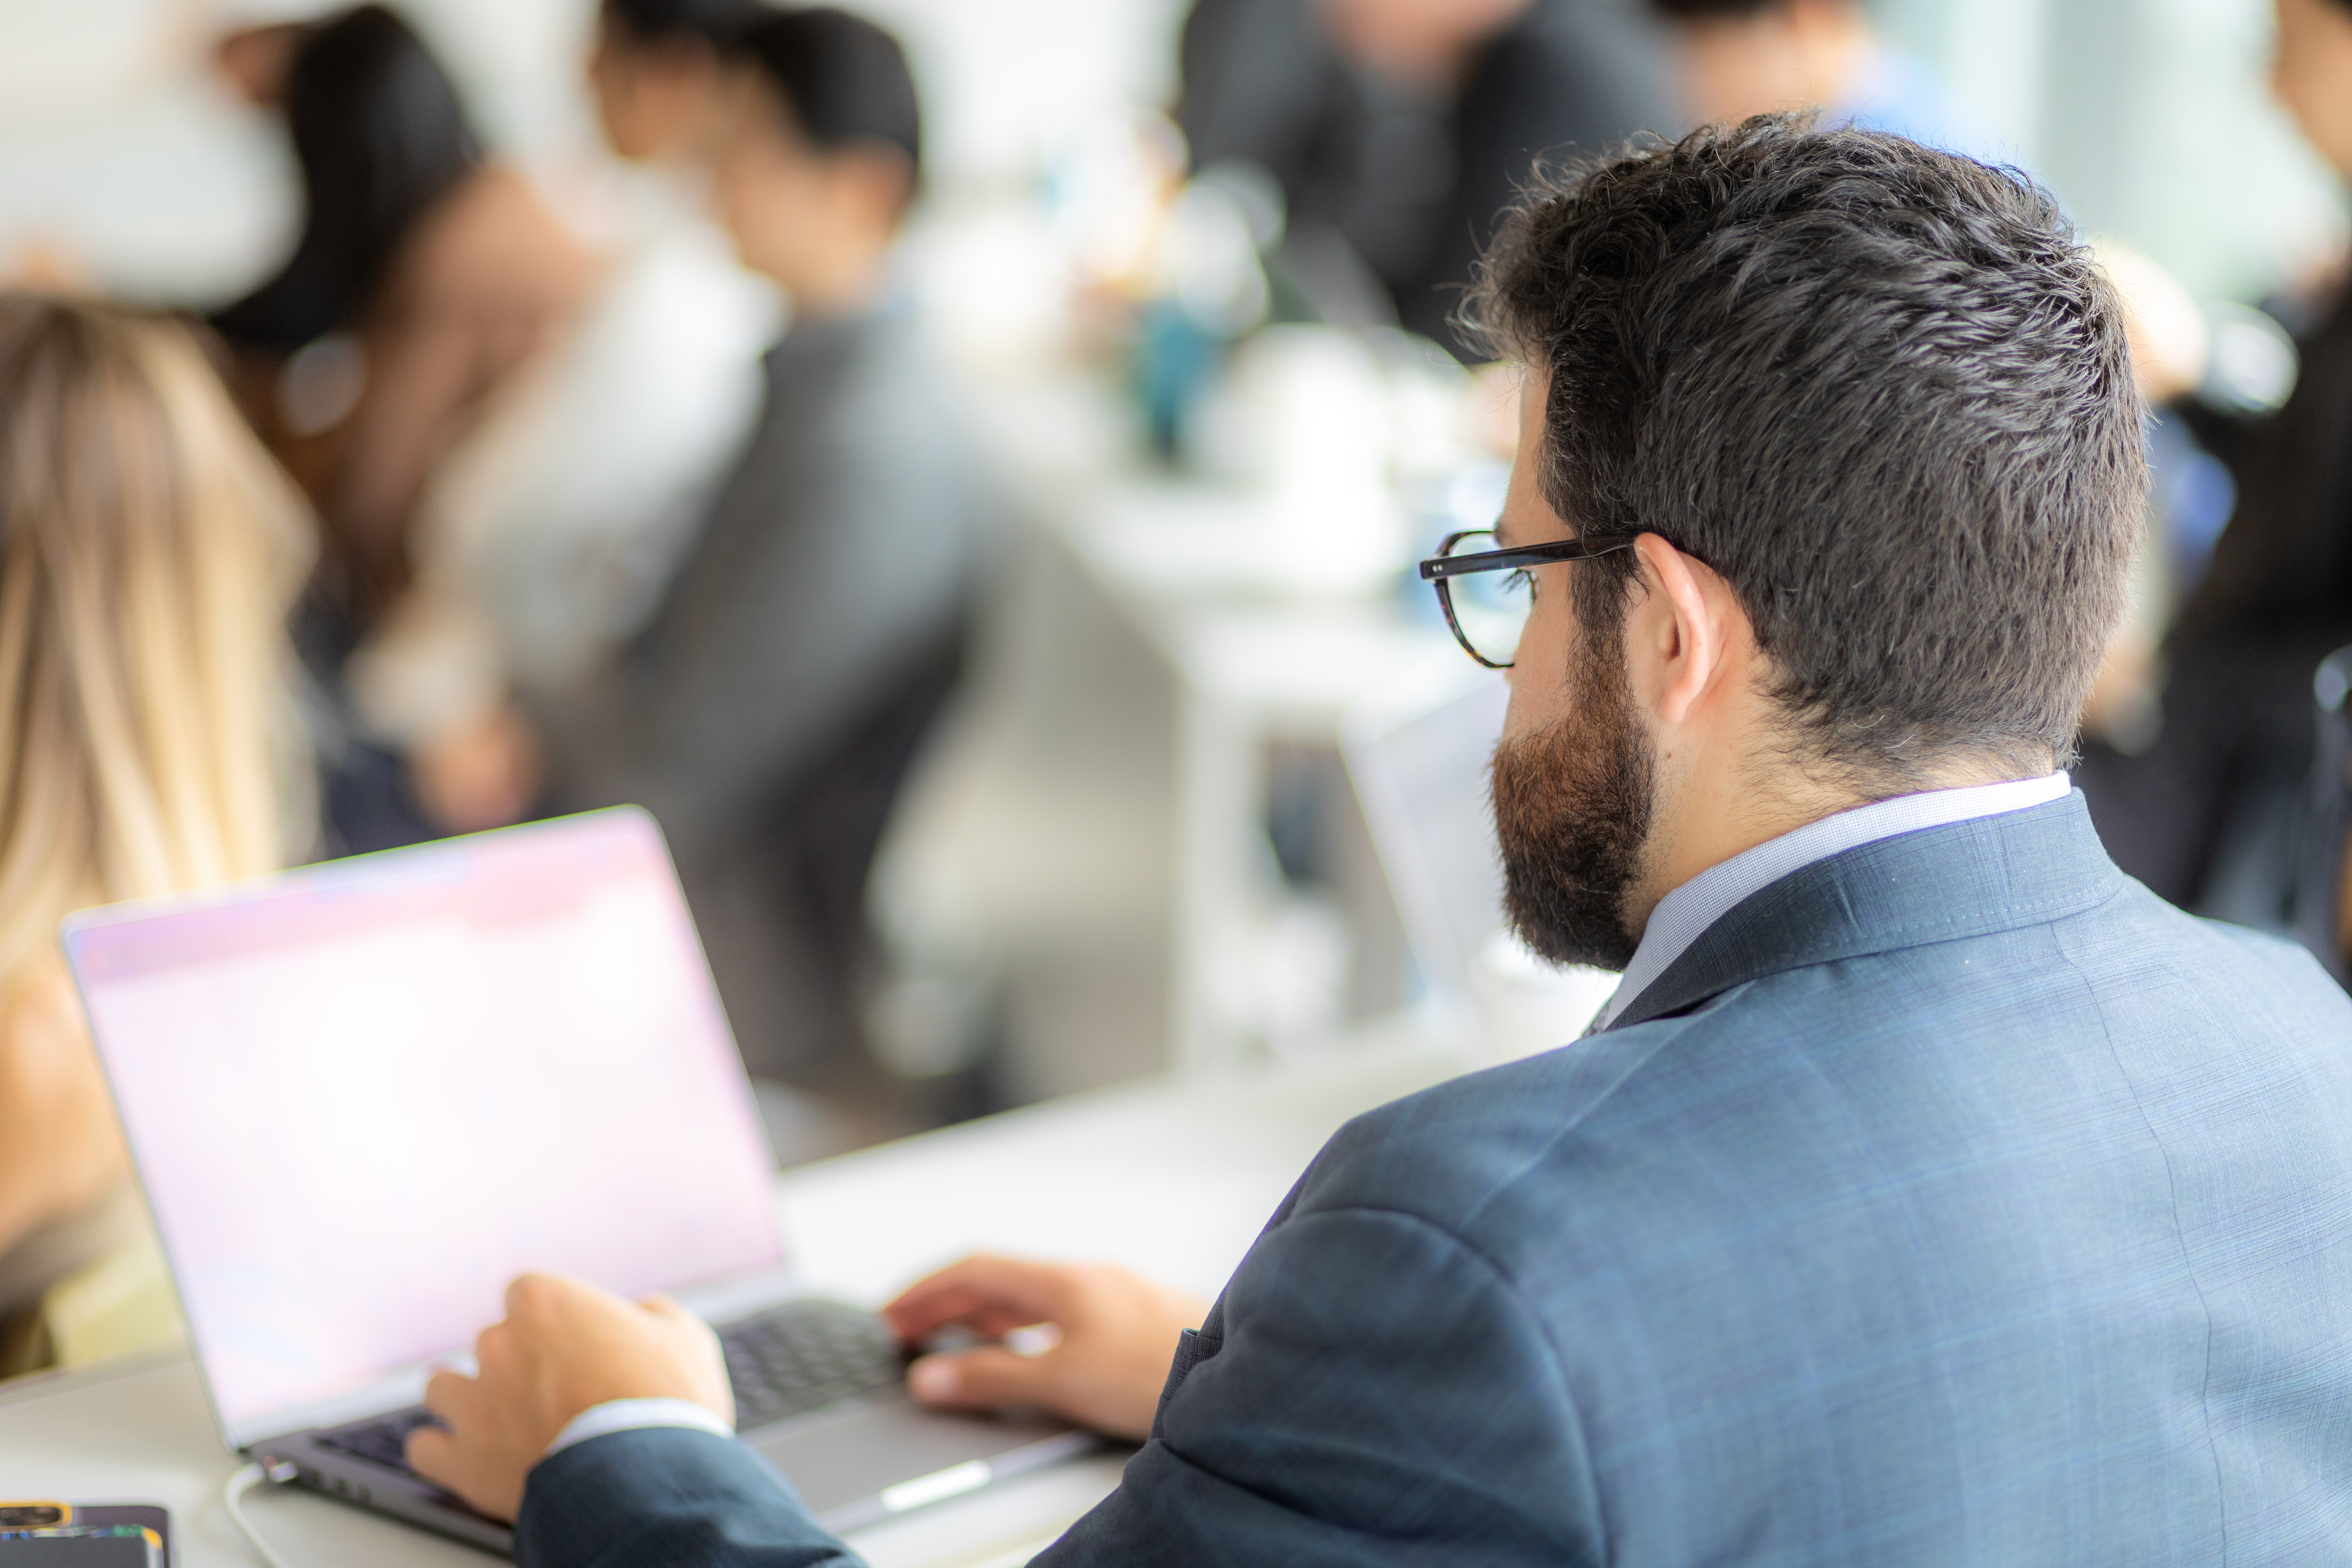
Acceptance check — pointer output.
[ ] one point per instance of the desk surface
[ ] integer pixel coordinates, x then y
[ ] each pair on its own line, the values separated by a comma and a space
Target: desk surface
1174, 1179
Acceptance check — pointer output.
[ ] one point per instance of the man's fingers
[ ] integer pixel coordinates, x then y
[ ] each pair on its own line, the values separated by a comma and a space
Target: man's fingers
989, 1378
1005, 1288
529, 1294
453, 1396
433, 1454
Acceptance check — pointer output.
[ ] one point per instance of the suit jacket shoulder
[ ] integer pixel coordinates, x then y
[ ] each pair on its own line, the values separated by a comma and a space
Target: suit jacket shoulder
1942, 1235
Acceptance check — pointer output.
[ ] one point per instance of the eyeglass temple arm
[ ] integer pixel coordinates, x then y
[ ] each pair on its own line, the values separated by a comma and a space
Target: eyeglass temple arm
1440, 566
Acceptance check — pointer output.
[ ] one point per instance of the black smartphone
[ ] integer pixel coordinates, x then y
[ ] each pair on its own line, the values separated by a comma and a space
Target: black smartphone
81, 1546
84, 1535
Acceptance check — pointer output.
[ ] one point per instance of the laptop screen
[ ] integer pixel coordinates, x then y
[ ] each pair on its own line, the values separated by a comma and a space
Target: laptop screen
364, 1095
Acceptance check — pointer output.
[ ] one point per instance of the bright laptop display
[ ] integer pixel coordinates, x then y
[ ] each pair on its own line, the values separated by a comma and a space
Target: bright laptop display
364, 1096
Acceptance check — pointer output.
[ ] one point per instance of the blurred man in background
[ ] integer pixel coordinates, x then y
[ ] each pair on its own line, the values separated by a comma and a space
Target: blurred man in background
547, 537
1401, 130
769, 710
1738, 58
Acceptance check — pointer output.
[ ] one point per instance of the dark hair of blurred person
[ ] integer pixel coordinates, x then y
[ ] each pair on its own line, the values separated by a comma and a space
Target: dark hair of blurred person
149, 553
771, 707
2206, 816
425, 276
1399, 130
655, 67
381, 138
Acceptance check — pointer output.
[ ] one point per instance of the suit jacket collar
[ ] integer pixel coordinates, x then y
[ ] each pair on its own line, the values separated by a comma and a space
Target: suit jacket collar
1940, 884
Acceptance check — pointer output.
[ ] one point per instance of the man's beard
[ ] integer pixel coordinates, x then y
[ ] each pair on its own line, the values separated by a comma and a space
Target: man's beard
1572, 815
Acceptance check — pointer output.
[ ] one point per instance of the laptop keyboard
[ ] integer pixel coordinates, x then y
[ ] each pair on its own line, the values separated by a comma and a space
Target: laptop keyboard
789, 1361
384, 1440
806, 1355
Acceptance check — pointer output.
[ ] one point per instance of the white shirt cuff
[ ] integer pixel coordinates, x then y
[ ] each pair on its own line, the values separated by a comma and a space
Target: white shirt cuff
631, 1414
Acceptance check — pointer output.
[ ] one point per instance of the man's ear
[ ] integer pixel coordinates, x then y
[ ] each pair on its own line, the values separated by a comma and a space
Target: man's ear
1692, 627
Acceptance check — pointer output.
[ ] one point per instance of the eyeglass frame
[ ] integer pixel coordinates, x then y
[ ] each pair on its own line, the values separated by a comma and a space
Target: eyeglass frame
1439, 567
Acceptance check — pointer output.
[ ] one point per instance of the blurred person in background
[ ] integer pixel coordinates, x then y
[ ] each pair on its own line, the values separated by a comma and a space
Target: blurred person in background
1738, 58
150, 553
426, 277
2207, 815
1399, 130
546, 537
769, 708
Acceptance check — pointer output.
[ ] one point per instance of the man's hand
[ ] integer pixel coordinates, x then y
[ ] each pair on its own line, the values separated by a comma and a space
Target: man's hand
1114, 1336
564, 1347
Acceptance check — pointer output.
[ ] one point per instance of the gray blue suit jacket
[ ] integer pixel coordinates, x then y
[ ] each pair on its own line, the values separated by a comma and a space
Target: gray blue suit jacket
1951, 1201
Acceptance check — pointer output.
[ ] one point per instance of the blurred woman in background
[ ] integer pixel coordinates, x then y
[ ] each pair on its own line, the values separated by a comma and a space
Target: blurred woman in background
547, 536
149, 554
426, 276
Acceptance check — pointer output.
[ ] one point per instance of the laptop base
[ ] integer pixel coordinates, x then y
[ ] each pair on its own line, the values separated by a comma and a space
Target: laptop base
832, 1457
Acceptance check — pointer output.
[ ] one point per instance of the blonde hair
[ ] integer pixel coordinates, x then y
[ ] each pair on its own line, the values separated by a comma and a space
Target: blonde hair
150, 551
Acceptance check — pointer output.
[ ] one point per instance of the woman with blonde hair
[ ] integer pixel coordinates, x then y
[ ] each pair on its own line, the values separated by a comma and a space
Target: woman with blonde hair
149, 738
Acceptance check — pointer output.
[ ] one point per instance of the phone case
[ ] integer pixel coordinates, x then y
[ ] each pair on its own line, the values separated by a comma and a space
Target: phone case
154, 1520
81, 1546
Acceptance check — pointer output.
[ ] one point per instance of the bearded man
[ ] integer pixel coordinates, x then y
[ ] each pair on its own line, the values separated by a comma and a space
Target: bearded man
1931, 1193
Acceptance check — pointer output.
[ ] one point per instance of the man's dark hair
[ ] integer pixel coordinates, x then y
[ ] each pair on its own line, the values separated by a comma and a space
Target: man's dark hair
712, 22
844, 80
1882, 390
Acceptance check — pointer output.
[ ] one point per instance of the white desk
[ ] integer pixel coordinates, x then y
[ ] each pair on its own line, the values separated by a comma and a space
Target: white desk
1091, 834
1175, 1179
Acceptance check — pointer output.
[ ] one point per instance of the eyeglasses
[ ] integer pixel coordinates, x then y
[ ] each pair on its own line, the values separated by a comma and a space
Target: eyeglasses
1487, 593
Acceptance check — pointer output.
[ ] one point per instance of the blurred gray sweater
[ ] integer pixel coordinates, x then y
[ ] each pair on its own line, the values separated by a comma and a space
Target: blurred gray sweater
768, 711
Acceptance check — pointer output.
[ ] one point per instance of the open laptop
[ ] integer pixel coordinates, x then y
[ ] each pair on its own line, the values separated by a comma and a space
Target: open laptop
364, 1095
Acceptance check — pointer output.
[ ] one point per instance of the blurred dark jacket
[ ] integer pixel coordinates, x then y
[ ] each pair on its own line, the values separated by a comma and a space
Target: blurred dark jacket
769, 712
1412, 187
2205, 817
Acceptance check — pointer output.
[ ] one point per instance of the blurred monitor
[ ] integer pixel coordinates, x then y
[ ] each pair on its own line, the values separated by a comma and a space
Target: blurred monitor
1418, 759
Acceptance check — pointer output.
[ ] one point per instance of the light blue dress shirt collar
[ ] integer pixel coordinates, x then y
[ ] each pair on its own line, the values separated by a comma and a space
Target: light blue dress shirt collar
1684, 915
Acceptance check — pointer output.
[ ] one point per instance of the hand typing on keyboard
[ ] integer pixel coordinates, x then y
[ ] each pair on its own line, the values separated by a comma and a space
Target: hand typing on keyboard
564, 1347
1102, 1362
